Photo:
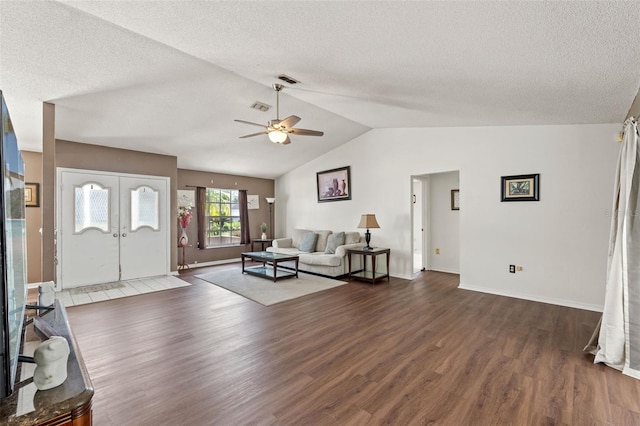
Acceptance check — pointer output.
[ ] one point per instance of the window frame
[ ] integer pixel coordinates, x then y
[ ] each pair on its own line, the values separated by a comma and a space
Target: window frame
222, 208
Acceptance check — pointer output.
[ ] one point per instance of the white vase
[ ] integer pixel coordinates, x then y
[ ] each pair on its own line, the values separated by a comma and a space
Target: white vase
183, 240
264, 236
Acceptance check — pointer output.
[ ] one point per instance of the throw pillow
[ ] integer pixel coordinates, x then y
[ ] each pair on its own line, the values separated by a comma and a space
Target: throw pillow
352, 238
297, 236
321, 245
334, 241
308, 242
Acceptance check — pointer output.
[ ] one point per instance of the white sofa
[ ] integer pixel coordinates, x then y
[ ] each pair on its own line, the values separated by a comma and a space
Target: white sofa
319, 260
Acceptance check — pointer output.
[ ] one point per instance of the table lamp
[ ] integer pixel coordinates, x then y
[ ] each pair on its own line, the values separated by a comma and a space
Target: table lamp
368, 221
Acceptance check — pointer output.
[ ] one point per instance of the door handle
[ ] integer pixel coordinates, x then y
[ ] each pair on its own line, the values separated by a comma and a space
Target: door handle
124, 235
115, 235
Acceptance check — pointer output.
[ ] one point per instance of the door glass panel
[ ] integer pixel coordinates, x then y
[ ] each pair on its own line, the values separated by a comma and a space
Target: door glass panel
145, 208
91, 204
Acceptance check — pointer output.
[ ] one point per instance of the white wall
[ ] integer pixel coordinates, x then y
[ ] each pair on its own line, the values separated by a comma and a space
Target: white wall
444, 223
561, 241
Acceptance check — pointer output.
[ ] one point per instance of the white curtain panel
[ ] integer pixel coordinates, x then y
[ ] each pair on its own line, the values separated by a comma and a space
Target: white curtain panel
618, 342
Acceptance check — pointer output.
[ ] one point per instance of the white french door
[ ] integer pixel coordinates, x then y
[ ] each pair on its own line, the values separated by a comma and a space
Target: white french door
111, 227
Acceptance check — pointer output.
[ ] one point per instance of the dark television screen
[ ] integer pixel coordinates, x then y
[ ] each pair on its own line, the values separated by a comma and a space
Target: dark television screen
12, 251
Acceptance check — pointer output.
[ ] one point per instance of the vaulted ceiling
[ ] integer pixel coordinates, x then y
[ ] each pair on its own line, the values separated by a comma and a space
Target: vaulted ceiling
170, 77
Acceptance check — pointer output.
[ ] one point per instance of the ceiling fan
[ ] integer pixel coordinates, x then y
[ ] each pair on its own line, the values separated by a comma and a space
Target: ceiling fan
278, 130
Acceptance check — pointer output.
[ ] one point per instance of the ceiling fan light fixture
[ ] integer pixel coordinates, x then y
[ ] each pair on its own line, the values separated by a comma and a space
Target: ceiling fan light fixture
277, 136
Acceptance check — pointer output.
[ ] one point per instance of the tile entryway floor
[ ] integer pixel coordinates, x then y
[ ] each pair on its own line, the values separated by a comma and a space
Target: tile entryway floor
130, 288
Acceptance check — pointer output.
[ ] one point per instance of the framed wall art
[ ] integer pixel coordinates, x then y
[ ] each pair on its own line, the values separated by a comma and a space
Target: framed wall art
186, 198
253, 202
520, 188
455, 199
334, 184
32, 194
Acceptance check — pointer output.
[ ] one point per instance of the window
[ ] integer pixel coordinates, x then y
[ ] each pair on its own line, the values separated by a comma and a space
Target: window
145, 208
222, 217
91, 204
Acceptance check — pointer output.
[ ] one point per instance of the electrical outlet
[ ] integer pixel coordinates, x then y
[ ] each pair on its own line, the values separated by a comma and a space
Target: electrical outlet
512, 269
437, 251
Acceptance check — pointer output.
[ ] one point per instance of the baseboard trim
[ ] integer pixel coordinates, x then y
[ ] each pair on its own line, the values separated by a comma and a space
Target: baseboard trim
445, 270
533, 298
403, 276
214, 263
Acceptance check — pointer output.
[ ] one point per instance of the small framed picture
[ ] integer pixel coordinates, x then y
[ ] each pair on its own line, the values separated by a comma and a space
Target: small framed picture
334, 185
186, 198
253, 202
520, 188
455, 199
32, 194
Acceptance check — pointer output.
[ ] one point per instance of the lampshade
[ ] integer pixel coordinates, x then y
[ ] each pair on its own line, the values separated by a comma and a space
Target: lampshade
277, 136
270, 200
368, 221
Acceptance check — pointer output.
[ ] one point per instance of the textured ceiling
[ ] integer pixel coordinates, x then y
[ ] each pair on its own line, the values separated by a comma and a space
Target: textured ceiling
170, 76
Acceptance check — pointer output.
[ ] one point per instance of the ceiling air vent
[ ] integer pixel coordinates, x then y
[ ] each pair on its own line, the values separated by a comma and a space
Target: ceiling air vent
287, 79
260, 106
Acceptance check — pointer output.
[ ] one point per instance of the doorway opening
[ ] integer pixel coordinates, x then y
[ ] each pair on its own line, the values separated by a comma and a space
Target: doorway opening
436, 222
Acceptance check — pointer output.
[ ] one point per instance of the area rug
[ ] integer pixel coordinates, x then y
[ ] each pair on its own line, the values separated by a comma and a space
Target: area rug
265, 291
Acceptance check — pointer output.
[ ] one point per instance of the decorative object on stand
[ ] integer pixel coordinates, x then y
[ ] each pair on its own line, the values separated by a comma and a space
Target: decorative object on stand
455, 199
184, 218
334, 185
51, 358
368, 221
270, 201
520, 188
263, 228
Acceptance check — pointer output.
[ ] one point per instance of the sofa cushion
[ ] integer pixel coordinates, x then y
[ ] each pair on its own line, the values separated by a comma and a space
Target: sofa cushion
284, 250
281, 243
308, 242
320, 259
323, 236
351, 237
334, 241
297, 236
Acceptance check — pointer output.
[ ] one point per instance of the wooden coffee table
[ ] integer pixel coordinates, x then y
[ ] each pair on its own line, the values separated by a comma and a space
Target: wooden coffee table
270, 259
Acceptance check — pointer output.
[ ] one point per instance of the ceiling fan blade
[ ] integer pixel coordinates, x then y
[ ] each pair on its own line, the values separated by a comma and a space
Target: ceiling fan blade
249, 122
290, 121
254, 134
305, 132
287, 141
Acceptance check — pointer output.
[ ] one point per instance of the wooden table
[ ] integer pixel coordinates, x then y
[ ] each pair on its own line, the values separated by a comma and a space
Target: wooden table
262, 242
373, 254
184, 264
268, 258
69, 404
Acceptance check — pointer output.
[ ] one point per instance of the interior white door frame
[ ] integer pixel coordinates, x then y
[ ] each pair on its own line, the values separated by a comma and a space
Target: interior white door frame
166, 207
421, 209
426, 223
418, 228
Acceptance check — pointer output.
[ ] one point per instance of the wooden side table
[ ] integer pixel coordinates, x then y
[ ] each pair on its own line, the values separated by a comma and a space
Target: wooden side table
184, 265
373, 254
262, 242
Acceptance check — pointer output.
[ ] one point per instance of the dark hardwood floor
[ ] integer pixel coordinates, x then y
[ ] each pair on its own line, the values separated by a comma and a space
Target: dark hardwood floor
403, 352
